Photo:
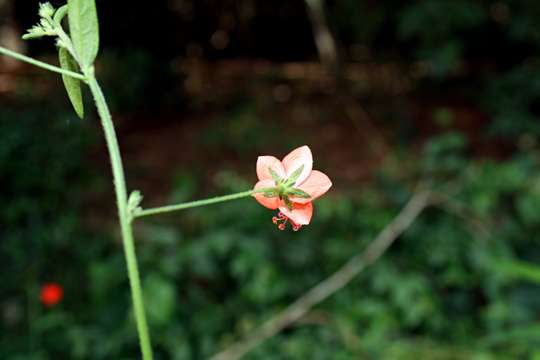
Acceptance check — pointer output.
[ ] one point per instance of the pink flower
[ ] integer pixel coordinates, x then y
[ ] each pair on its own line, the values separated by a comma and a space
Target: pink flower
291, 186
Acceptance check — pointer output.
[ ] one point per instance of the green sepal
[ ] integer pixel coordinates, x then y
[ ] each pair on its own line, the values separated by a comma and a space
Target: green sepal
275, 176
72, 85
294, 176
45, 26
134, 200
46, 10
288, 202
270, 194
267, 192
133, 204
298, 193
35, 32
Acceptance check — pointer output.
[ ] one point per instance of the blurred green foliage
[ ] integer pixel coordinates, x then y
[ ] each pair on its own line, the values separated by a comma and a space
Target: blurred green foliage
462, 283
485, 52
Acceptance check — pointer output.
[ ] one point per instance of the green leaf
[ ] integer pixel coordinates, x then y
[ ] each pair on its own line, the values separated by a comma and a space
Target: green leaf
72, 85
275, 176
295, 175
160, 296
519, 269
298, 193
84, 30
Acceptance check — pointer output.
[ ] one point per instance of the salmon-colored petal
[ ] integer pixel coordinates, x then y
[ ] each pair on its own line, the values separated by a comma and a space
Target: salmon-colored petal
271, 203
315, 185
297, 158
265, 162
300, 214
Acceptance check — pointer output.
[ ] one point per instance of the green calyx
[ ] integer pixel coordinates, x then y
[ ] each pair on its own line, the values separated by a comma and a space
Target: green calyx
284, 188
48, 24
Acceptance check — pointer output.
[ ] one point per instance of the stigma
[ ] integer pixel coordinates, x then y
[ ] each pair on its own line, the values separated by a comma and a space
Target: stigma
281, 221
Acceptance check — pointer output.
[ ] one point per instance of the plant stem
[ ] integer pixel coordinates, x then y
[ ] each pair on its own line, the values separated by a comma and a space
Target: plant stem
192, 204
41, 64
125, 224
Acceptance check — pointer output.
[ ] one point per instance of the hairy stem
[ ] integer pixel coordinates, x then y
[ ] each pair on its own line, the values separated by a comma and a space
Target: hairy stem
125, 224
192, 204
41, 64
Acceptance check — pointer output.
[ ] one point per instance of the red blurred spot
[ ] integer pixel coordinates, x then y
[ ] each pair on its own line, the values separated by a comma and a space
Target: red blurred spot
51, 294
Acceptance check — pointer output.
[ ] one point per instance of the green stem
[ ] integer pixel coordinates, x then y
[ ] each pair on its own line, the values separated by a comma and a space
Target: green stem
41, 64
125, 224
192, 204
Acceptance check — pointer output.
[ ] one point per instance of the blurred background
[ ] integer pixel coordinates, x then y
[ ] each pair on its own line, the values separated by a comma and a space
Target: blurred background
386, 93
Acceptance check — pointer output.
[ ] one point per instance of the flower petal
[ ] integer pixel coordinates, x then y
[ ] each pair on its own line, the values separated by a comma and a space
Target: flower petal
272, 202
265, 162
297, 158
300, 214
315, 185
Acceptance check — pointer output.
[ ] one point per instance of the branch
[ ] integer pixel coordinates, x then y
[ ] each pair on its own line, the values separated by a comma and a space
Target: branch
325, 42
191, 204
41, 64
477, 225
415, 206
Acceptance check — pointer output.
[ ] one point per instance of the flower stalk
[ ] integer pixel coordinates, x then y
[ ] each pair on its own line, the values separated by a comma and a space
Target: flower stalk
41, 64
192, 204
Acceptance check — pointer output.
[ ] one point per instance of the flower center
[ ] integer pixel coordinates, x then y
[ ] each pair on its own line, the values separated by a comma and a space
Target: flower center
281, 221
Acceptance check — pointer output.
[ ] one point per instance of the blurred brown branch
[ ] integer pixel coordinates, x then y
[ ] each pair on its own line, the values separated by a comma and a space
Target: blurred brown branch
418, 202
480, 228
10, 37
324, 40
327, 48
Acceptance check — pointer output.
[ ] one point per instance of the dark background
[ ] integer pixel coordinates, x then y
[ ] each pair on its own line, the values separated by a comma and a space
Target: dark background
445, 91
